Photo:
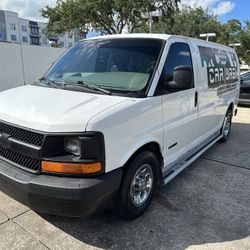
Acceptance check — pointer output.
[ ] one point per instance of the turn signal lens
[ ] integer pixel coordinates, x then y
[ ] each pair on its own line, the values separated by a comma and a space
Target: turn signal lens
71, 168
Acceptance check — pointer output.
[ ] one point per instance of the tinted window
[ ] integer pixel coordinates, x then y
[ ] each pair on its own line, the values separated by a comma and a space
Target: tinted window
178, 55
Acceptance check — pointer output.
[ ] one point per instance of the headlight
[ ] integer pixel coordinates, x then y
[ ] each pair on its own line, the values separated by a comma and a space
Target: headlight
74, 154
72, 145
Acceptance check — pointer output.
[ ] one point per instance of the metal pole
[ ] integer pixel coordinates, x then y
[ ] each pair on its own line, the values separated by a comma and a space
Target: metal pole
21, 50
150, 22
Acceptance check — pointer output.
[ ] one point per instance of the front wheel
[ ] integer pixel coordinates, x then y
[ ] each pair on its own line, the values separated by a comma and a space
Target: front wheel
138, 186
226, 127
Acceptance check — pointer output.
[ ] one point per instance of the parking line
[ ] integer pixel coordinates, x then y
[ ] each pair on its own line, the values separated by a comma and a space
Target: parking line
230, 164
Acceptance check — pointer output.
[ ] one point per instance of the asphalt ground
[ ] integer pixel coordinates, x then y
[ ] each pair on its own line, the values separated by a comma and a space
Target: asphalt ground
207, 207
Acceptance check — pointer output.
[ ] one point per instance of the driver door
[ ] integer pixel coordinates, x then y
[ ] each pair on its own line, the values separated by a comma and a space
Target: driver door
180, 107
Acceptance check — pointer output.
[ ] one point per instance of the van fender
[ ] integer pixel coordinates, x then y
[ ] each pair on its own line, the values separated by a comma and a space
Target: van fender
139, 145
228, 104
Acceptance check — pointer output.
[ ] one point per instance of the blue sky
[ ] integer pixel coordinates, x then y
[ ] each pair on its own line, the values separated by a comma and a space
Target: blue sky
241, 11
225, 9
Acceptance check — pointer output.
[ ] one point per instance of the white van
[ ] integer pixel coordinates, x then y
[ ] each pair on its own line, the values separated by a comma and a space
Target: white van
113, 118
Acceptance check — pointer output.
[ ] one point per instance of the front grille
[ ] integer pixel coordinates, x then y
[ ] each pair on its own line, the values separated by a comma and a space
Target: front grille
22, 134
20, 160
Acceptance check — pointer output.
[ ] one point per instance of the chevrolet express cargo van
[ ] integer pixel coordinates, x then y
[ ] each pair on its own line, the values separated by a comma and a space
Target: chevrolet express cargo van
113, 118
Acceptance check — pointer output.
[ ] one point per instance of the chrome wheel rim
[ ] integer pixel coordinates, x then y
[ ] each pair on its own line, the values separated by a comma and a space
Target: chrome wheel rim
141, 185
227, 125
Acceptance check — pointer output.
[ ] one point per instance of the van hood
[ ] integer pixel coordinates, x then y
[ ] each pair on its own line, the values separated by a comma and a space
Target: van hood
52, 110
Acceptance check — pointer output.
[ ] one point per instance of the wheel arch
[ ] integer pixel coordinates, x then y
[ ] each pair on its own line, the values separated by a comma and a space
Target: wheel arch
231, 107
153, 147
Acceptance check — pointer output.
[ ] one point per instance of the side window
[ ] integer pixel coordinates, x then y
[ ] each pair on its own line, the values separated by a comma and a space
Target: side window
179, 56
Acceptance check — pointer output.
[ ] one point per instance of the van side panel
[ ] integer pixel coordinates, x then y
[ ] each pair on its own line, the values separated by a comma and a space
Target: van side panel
218, 80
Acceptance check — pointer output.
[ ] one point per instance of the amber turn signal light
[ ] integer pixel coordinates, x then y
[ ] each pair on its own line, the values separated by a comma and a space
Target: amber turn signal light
71, 168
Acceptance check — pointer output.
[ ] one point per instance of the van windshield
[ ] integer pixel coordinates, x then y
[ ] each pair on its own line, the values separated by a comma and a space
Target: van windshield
122, 65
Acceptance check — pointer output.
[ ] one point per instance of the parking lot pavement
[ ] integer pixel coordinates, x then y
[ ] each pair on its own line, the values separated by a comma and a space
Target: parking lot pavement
207, 207
237, 150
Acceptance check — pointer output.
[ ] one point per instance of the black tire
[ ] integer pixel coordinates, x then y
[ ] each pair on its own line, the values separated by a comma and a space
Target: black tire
125, 206
226, 127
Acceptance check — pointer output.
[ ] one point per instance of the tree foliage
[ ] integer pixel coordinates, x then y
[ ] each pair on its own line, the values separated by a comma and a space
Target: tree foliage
235, 32
187, 21
192, 22
112, 16
107, 16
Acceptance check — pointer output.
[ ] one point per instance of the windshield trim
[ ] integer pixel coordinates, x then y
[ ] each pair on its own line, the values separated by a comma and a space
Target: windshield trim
149, 85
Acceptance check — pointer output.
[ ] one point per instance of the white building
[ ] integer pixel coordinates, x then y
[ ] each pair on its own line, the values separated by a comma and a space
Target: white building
24, 31
17, 30
11, 25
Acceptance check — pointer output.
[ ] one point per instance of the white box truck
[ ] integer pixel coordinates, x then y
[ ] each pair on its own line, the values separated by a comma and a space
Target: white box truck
113, 118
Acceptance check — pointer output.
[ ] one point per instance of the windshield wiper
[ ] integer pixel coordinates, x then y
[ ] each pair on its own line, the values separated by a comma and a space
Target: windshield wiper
48, 82
87, 86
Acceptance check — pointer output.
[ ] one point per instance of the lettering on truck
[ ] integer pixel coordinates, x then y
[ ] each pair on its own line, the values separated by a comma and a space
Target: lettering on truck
221, 66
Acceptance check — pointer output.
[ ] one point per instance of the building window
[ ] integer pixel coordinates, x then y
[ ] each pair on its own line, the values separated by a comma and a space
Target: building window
34, 31
70, 35
43, 31
2, 26
24, 28
24, 39
70, 44
34, 41
12, 26
44, 42
2, 37
13, 37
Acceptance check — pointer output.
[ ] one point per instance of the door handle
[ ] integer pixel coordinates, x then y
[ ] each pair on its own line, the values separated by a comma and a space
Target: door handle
196, 99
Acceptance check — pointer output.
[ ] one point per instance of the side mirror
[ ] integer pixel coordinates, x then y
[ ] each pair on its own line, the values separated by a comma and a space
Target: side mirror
182, 79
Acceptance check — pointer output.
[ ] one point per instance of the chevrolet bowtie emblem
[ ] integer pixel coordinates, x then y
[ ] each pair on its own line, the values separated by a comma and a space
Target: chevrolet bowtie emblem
4, 140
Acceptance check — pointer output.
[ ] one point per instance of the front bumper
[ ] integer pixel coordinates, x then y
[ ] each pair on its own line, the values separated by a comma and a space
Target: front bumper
64, 196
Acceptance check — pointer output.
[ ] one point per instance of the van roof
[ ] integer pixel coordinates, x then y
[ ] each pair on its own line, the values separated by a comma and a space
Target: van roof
135, 35
157, 36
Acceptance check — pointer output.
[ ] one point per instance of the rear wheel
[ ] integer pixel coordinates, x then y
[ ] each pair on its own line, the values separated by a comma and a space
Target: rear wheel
226, 128
138, 186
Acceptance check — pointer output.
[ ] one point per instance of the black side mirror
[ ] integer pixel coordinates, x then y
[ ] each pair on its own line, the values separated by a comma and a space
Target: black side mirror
182, 79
